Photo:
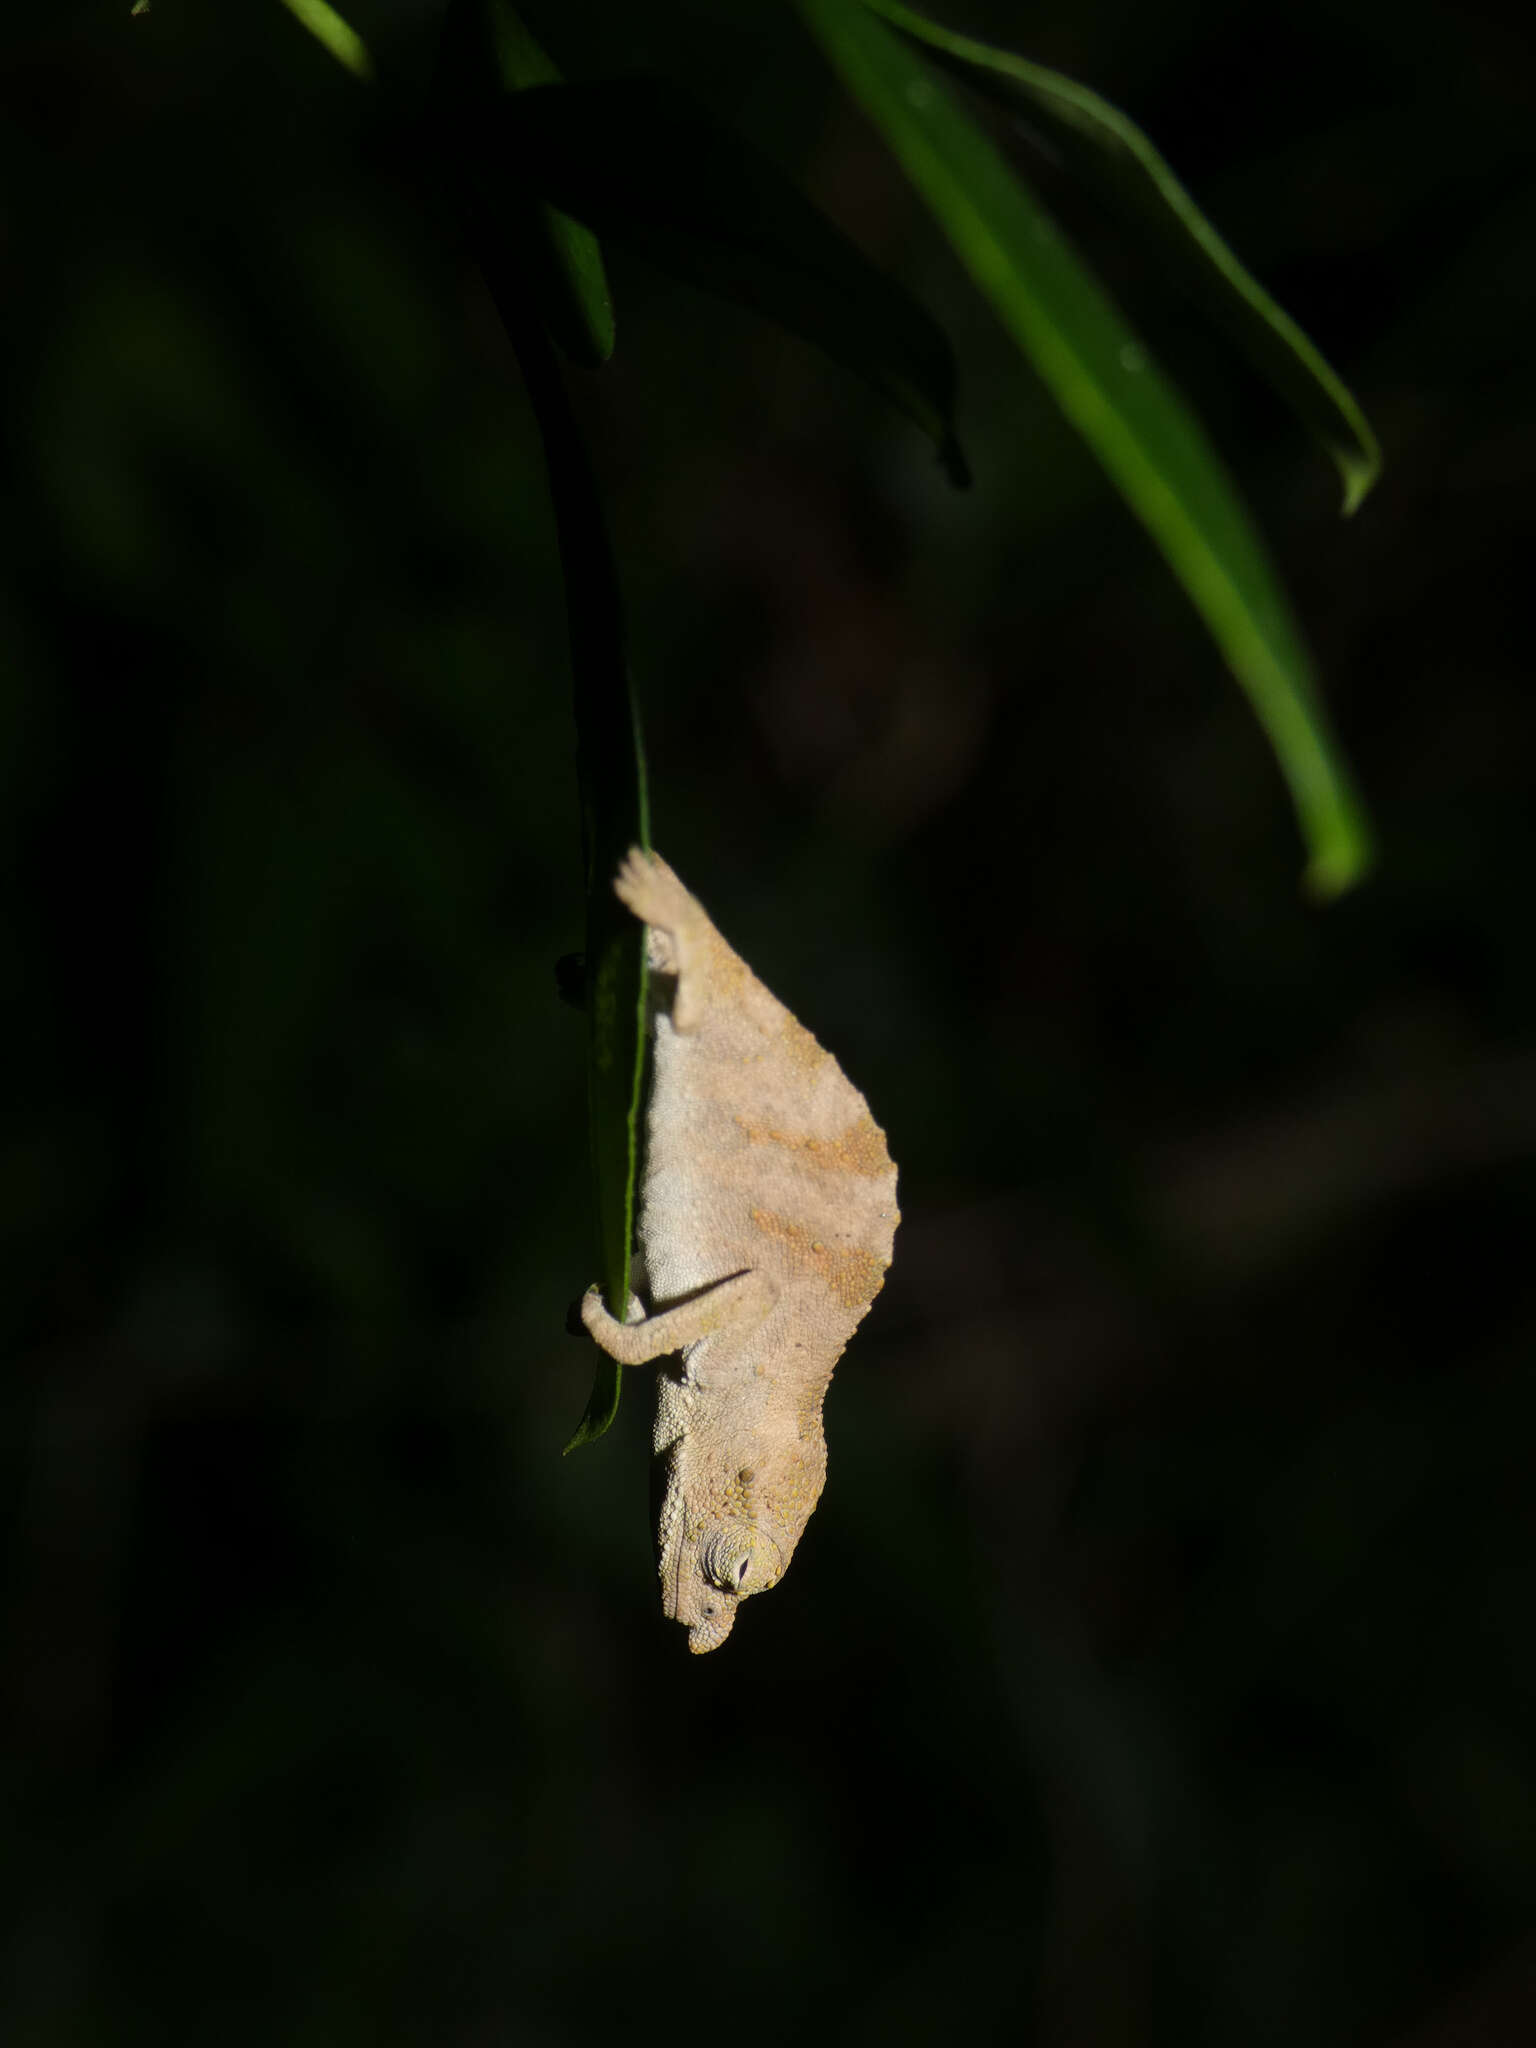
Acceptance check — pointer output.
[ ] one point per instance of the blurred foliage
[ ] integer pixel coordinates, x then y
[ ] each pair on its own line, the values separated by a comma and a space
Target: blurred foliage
1151, 445
1158, 1667
1074, 123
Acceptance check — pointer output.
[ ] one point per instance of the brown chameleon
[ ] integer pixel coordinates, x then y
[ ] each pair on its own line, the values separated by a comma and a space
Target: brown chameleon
767, 1214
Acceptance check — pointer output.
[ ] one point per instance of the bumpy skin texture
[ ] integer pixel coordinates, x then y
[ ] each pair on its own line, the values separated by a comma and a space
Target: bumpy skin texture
767, 1214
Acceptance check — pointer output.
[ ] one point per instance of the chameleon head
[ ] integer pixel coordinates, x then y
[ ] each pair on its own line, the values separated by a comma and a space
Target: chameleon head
727, 1562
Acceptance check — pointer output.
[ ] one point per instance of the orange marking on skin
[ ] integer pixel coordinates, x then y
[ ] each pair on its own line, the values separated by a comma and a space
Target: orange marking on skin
852, 1277
859, 1150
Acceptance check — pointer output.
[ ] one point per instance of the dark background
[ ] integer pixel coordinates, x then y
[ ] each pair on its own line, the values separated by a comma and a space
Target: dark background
1158, 1667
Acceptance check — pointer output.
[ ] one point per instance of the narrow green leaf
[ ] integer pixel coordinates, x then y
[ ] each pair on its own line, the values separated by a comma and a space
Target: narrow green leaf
488, 60
338, 36
1110, 151
614, 816
1139, 428
637, 160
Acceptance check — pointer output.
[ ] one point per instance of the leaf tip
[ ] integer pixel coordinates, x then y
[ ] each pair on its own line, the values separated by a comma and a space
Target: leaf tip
1336, 867
1359, 464
1359, 480
598, 1418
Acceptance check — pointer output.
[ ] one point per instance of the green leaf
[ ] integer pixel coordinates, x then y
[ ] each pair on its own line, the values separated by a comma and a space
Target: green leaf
545, 274
1111, 152
1148, 441
614, 816
570, 282
638, 161
338, 36
488, 61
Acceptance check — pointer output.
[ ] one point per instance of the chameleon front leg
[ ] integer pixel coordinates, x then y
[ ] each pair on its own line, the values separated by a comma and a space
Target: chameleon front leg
729, 1305
648, 887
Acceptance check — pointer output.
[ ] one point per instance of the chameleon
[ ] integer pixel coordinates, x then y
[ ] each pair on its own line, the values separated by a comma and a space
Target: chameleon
766, 1221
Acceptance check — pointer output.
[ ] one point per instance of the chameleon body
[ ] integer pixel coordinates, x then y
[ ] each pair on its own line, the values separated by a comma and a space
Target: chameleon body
767, 1216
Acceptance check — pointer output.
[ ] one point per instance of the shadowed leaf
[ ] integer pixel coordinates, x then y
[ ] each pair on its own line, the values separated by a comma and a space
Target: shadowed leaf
488, 61
486, 49
614, 817
638, 161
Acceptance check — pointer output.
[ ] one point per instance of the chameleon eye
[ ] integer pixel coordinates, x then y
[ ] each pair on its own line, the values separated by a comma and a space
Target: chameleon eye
725, 1557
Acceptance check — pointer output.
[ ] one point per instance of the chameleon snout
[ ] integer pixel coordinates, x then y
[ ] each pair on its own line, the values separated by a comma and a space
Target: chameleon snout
713, 1626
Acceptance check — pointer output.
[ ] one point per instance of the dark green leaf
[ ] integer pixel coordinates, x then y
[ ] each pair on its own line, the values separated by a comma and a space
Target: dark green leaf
638, 161
614, 817
1111, 152
489, 59
545, 273
1148, 441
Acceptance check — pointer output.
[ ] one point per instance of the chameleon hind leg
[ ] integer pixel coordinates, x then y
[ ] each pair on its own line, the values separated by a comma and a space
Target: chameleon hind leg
648, 887
743, 1299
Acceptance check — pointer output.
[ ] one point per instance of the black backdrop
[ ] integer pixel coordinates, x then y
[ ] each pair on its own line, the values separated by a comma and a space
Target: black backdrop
1158, 1667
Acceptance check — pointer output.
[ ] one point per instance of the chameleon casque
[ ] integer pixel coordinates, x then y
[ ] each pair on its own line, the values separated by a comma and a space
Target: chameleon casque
767, 1216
